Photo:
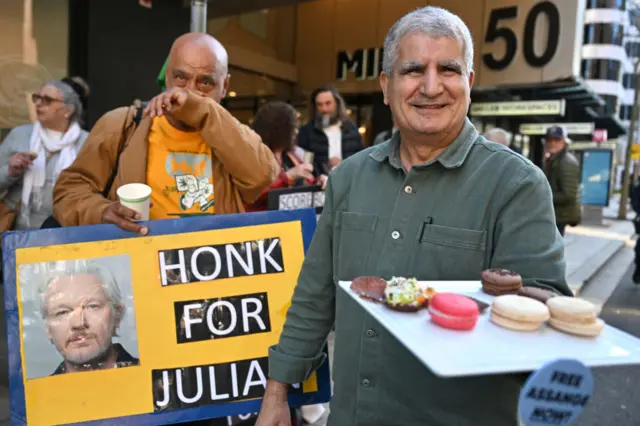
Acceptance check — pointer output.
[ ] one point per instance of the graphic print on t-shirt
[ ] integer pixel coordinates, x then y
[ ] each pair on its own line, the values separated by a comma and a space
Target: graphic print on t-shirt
191, 182
192, 175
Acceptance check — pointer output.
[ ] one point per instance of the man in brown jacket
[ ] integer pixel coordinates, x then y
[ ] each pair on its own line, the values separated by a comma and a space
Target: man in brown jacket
196, 157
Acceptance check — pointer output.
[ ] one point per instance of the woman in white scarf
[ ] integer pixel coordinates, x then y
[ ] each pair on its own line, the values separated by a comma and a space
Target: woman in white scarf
32, 156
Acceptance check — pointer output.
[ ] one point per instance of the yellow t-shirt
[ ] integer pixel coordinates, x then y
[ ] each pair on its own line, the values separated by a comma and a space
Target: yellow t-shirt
178, 172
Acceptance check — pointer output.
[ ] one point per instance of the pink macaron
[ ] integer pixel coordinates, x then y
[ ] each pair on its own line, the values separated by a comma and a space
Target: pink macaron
453, 311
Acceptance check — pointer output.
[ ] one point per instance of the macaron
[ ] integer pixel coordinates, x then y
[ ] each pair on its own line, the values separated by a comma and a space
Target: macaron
497, 282
518, 313
575, 316
453, 311
539, 294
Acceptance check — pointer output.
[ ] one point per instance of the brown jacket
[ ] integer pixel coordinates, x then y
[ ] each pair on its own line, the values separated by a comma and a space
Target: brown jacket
242, 165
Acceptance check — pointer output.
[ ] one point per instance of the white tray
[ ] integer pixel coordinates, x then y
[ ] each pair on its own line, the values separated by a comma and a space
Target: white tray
490, 349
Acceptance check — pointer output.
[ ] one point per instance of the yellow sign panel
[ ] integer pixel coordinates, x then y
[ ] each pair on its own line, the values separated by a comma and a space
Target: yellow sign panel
635, 151
194, 314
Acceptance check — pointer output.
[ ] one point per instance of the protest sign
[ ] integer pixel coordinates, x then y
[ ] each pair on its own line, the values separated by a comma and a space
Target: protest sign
556, 394
105, 327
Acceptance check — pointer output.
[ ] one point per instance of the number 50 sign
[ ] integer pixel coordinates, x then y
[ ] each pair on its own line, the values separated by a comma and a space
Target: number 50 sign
530, 41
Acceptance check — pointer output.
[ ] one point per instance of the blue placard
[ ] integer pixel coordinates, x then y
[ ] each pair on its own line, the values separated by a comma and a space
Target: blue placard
556, 394
13, 241
596, 177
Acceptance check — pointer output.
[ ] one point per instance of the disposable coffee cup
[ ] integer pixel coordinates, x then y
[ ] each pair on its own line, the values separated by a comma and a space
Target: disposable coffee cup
137, 197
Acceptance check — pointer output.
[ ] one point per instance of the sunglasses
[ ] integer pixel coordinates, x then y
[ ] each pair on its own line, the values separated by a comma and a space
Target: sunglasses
46, 100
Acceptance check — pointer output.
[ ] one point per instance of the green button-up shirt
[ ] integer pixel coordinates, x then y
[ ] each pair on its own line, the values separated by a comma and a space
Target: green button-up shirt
478, 205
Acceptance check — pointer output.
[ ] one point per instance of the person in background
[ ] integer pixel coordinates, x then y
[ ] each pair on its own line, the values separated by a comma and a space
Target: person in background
501, 136
196, 157
33, 156
82, 88
329, 134
563, 172
275, 122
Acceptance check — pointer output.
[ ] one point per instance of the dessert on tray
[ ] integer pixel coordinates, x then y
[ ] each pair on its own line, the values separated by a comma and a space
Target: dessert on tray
518, 313
539, 294
454, 311
575, 316
515, 307
400, 294
371, 288
497, 282
404, 294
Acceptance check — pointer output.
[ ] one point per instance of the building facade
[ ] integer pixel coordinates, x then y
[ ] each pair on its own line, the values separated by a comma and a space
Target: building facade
577, 53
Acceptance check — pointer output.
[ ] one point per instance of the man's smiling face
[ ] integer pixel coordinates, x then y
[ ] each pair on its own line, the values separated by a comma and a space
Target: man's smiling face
429, 89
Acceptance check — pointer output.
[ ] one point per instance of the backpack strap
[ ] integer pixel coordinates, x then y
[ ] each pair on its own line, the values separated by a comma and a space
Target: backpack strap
122, 145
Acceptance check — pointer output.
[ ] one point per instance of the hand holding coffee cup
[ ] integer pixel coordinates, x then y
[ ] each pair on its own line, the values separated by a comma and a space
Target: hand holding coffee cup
135, 200
137, 197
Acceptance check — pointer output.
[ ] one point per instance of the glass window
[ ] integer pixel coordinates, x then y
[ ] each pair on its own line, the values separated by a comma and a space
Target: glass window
603, 34
629, 81
610, 105
633, 49
606, 4
625, 112
601, 69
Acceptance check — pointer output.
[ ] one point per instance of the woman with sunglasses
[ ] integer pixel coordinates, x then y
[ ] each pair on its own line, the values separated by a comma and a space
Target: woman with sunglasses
33, 155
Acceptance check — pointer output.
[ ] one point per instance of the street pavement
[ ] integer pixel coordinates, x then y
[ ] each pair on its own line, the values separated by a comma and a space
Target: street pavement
615, 399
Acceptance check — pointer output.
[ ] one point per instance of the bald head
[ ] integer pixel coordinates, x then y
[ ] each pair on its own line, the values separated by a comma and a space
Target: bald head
199, 62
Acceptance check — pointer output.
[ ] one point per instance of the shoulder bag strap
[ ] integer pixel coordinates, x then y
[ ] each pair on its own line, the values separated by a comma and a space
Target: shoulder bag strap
121, 147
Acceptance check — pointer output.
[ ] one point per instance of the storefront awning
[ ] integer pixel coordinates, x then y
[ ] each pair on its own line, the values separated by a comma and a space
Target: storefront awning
582, 103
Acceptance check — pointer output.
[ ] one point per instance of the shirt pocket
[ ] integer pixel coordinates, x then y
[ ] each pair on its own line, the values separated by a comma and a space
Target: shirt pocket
356, 232
452, 253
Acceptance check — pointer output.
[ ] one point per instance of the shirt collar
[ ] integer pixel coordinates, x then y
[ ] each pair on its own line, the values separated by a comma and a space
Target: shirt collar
454, 156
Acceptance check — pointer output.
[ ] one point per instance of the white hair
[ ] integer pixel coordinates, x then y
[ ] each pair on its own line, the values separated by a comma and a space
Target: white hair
433, 21
66, 268
498, 135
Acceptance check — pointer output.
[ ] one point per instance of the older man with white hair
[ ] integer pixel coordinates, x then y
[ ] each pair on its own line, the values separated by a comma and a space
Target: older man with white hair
446, 205
82, 307
501, 136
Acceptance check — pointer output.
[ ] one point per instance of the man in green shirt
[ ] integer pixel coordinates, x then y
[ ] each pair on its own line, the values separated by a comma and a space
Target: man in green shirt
436, 202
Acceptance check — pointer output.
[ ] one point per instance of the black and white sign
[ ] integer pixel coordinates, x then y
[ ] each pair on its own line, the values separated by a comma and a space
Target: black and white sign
556, 394
572, 128
530, 41
200, 320
208, 263
504, 109
299, 197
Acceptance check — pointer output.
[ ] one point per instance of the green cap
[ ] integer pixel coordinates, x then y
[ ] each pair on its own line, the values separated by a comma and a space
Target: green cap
162, 76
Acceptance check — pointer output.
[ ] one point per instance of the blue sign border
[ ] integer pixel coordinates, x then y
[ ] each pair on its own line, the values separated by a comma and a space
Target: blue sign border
11, 241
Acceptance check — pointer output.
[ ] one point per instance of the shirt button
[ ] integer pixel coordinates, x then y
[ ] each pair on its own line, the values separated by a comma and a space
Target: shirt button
408, 189
371, 333
366, 383
395, 235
